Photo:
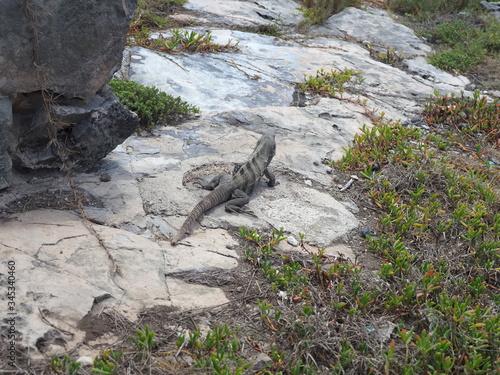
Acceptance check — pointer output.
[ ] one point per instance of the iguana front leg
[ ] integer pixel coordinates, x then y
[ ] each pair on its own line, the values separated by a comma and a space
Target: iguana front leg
271, 177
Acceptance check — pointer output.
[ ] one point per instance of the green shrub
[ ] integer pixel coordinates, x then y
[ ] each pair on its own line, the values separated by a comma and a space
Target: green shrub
454, 32
332, 83
192, 41
64, 365
145, 340
218, 351
152, 13
270, 29
490, 35
317, 11
182, 40
475, 116
464, 44
464, 35
150, 104
430, 8
429, 193
452, 60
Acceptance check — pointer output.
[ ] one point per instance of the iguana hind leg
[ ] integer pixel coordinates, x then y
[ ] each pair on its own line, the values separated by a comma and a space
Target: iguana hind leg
214, 182
238, 199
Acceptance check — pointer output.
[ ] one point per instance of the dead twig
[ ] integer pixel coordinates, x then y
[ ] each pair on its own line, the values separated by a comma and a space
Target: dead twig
46, 321
347, 186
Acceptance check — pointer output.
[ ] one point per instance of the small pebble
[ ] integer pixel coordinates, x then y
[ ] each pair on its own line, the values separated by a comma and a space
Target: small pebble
292, 241
105, 177
262, 362
365, 231
375, 167
85, 360
231, 246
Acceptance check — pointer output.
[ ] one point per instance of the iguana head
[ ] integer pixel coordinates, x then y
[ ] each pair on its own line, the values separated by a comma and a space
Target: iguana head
267, 145
262, 154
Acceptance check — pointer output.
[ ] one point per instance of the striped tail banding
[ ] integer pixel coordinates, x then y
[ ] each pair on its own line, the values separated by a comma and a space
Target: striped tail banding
220, 194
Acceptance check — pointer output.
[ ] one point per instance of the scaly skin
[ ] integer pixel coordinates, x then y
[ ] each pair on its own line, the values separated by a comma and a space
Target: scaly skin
245, 180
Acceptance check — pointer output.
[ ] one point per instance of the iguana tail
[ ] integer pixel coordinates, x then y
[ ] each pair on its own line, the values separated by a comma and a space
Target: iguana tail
219, 195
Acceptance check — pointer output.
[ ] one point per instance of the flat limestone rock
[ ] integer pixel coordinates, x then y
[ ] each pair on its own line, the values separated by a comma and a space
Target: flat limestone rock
377, 27
63, 274
318, 214
266, 69
248, 12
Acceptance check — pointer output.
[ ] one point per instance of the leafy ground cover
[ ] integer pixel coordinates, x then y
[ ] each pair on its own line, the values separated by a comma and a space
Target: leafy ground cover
465, 42
317, 11
154, 14
151, 105
270, 29
430, 8
182, 41
465, 37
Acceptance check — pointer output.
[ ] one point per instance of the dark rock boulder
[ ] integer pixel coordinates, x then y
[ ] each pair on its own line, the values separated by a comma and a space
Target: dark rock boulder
66, 47
56, 57
62, 136
102, 130
5, 124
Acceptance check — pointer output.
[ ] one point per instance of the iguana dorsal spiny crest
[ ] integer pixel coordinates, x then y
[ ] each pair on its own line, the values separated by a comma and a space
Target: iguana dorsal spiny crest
235, 190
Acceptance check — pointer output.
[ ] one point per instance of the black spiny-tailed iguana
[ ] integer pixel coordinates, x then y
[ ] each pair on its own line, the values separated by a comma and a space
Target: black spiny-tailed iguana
244, 181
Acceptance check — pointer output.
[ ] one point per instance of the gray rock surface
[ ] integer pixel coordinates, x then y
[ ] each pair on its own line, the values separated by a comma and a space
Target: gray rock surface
257, 12
374, 27
265, 70
114, 258
493, 7
81, 274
